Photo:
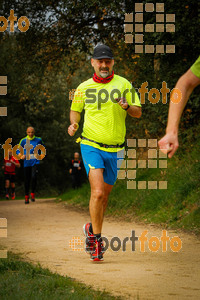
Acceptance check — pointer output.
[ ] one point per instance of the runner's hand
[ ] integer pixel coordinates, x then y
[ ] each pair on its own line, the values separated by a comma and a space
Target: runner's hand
122, 102
73, 128
169, 144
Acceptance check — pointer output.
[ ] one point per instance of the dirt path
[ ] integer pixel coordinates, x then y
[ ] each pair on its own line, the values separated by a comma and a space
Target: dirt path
42, 231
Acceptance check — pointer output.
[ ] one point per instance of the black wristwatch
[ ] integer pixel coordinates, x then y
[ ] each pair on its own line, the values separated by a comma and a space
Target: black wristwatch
127, 107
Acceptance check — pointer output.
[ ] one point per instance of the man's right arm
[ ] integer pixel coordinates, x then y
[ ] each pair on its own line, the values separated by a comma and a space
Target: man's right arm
75, 117
75, 112
186, 85
21, 156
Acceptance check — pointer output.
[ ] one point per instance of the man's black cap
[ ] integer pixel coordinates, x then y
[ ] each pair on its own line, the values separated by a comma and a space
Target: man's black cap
102, 51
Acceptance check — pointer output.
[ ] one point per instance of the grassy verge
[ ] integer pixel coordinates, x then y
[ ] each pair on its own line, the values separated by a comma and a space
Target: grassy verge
176, 206
21, 280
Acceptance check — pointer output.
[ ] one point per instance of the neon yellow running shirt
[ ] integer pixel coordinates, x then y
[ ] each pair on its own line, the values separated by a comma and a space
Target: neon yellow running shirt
195, 68
104, 119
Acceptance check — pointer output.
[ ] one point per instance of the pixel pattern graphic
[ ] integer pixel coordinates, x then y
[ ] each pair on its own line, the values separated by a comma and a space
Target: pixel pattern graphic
164, 23
76, 241
127, 168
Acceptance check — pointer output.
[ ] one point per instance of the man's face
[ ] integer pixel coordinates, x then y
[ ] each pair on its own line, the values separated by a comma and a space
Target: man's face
76, 156
10, 153
30, 132
103, 67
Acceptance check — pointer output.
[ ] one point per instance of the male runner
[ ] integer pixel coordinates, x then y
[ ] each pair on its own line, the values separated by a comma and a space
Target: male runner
9, 173
186, 85
75, 171
103, 135
31, 163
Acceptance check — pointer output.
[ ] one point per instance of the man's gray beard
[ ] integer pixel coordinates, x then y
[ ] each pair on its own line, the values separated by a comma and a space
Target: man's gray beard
104, 75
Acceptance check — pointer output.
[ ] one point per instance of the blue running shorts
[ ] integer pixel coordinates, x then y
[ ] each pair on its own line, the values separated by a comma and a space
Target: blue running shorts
94, 158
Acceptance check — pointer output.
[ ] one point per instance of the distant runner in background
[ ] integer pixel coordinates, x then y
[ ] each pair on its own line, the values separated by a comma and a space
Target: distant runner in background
31, 163
9, 173
186, 84
75, 171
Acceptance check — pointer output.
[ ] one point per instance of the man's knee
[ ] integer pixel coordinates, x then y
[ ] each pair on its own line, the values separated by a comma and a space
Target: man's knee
34, 173
98, 195
7, 183
33, 177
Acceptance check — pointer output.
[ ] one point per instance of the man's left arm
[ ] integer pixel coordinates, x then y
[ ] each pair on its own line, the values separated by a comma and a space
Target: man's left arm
133, 110
79, 168
43, 150
15, 162
130, 102
21, 143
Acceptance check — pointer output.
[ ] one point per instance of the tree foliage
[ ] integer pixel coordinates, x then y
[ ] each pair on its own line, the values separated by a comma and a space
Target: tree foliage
53, 57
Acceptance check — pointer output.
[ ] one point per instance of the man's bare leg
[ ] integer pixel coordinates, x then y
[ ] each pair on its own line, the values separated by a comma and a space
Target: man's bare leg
96, 200
107, 190
7, 184
99, 198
